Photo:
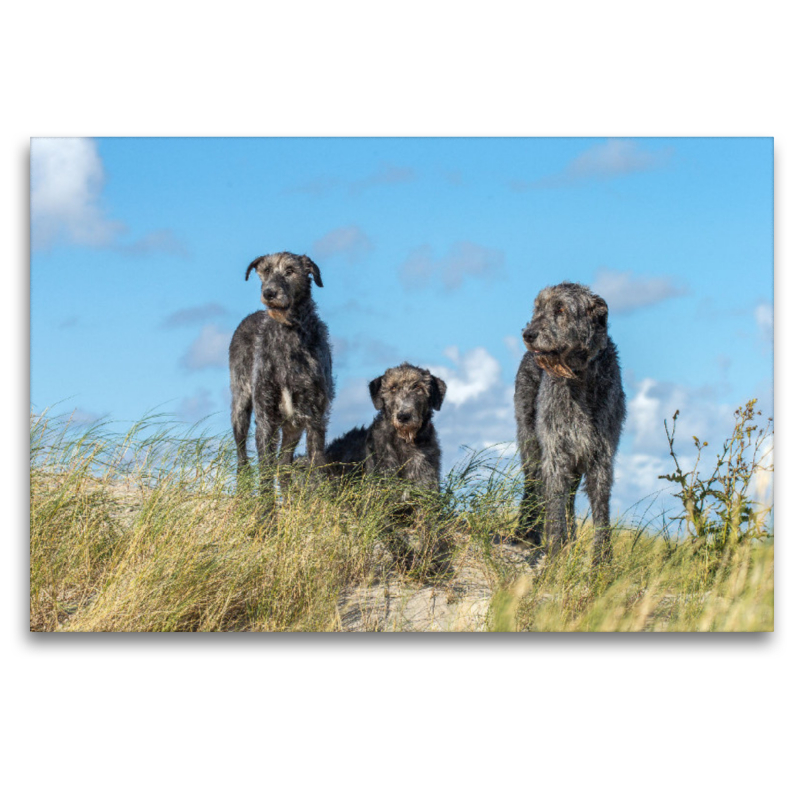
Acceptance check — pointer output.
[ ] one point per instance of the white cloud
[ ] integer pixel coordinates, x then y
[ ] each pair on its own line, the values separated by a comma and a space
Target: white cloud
478, 409
765, 319
351, 242
365, 350
316, 186
388, 174
474, 373
638, 494
464, 259
484, 422
614, 157
67, 179
193, 315
625, 292
653, 402
514, 346
645, 450
196, 407
81, 417
352, 407
160, 241
208, 350
602, 161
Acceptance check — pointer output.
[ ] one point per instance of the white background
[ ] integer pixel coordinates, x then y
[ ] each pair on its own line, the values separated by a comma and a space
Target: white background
673, 716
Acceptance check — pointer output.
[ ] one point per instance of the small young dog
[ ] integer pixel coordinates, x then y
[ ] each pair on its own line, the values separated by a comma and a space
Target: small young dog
401, 441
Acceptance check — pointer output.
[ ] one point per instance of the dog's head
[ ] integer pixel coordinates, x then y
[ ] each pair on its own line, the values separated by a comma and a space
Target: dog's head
408, 396
285, 283
569, 328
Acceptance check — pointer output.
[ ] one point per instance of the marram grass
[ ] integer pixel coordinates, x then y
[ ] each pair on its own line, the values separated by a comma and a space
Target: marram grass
145, 532
651, 585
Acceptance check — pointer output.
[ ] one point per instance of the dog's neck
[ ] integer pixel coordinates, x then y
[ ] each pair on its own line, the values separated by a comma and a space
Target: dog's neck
298, 316
582, 367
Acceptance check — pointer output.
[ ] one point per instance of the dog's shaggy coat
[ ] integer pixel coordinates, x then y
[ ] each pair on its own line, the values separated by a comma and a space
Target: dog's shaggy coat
280, 366
401, 441
570, 408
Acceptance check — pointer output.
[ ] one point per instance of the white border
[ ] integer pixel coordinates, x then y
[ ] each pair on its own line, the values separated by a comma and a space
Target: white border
203, 716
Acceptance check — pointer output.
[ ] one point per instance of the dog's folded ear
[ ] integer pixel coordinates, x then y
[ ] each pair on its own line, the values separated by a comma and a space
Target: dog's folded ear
313, 270
598, 309
375, 392
253, 265
437, 393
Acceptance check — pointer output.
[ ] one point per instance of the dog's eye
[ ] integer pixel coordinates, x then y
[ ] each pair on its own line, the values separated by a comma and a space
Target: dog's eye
559, 311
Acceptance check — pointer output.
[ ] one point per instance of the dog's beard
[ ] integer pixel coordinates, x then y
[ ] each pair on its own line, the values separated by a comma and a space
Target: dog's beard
279, 315
407, 432
553, 364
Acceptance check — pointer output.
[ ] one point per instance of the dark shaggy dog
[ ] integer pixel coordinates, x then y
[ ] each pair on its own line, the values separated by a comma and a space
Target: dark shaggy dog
401, 441
280, 362
569, 406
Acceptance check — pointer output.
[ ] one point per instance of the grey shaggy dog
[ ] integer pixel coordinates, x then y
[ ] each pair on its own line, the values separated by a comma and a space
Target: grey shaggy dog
280, 363
401, 441
570, 407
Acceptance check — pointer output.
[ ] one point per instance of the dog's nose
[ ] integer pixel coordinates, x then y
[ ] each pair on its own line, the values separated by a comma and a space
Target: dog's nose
269, 294
528, 335
403, 417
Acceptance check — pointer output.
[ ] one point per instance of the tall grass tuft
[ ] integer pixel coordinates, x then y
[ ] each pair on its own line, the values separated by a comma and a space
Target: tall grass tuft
143, 532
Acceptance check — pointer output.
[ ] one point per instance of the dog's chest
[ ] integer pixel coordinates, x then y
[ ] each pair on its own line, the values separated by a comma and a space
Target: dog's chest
291, 373
412, 459
286, 404
563, 418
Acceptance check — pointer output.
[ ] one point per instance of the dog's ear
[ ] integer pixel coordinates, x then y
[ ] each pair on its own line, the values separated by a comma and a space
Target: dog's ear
253, 265
375, 392
598, 309
437, 393
313, 270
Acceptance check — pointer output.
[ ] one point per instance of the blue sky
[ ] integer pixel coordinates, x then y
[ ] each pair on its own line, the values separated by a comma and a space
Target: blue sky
431, 251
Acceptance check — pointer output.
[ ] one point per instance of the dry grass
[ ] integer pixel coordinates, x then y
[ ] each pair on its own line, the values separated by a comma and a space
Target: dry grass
143, 532
651, 585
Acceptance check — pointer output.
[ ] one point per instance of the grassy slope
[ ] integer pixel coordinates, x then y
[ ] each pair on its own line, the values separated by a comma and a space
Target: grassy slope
142, 533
